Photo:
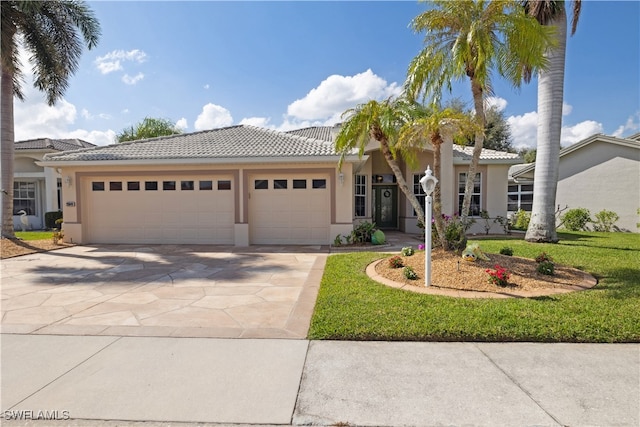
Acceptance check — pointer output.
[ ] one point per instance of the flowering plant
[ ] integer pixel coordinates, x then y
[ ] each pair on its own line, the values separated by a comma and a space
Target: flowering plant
395, 262
498, 276
421, 247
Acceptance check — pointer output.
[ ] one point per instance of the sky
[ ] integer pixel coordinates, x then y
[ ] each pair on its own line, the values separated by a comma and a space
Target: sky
292, 64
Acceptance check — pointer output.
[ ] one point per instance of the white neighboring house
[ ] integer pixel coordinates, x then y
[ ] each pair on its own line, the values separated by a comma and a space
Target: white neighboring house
37, 189
599, 172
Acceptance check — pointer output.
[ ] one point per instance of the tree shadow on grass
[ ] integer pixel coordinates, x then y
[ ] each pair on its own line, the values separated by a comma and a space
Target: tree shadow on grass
620, 283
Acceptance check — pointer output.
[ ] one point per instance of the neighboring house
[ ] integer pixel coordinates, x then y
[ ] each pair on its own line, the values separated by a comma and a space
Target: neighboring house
599, 172
37, 189
244, 185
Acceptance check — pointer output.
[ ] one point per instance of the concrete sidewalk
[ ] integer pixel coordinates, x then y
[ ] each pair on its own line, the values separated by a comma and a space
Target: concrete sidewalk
109, 381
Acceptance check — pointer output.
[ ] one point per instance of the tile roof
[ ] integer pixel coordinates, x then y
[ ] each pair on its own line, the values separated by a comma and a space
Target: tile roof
323, 133
465, 153
242, 141
52, 144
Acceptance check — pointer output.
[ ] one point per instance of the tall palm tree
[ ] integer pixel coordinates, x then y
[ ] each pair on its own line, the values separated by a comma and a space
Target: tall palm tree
381, 122
471, 39
49, 31
431, 127
542, 227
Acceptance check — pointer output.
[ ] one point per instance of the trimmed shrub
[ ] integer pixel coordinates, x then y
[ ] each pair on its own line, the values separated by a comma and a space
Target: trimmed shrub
521, 220
605, 220
50, 219
576, 219
506, 251
546, 267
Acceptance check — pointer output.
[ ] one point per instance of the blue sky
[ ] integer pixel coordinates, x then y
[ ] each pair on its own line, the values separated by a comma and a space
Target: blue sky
286, 65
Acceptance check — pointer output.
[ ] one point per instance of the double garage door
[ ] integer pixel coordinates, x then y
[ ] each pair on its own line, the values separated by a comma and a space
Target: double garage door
166, 209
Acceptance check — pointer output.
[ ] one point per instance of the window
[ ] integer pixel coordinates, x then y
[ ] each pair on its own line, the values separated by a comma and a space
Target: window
97, 186
151, 185
280, 184
360, 192
261, 184
115, 186
133, 186
168, 185
419, 191
24, 197
475, 194
319, 183
224, 185
186, 185
299, 184
206, 185
520, 196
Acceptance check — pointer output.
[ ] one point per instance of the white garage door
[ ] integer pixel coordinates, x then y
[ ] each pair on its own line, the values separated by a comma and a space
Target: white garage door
160, 209
286, 209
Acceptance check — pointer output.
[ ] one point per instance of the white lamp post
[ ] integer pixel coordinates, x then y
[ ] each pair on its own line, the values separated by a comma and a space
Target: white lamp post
428, 182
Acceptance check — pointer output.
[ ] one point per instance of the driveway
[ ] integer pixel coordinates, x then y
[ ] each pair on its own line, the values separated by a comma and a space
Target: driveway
163, 291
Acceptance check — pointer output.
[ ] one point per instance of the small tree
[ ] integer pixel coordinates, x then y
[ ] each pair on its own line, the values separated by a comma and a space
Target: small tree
605, 220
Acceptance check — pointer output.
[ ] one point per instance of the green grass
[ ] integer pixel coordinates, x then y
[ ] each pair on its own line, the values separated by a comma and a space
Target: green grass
34, 235
351, 306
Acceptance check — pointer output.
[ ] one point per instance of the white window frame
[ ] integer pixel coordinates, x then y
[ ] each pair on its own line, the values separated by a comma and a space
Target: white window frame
418, 191
360, 192
20, 193
462, 177
519, 193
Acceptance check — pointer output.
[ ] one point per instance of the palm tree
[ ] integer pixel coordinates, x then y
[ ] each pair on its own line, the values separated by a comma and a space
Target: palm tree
49, 31
381, 122
468, 38
431, 127
542, 227
148, 128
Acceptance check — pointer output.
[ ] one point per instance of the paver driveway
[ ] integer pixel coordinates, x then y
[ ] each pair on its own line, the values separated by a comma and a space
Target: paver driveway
164, 290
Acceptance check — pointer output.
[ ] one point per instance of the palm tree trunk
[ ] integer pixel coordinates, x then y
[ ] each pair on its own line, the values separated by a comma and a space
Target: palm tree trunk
436, 142
402, 184
478, 102
542, 227
7, 152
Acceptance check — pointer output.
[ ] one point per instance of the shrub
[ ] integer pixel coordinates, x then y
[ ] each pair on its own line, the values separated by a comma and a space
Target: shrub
576, 219
605, 220
546, 267
408, 251
506, 251
520, 221
498, 276
50, 219
409, 273
396, 262
362, 232
455, 230
543, 257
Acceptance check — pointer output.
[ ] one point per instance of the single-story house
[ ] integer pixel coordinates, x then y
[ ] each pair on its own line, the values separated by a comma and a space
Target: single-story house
37, 189
243, 185
599, 172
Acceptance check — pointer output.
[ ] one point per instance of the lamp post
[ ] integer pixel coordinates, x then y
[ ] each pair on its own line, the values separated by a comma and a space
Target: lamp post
428, 182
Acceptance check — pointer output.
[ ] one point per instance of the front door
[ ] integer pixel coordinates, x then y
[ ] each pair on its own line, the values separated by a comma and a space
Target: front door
385, 206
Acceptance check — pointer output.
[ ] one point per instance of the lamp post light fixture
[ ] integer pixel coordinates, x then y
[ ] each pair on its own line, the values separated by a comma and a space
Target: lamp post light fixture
428, 182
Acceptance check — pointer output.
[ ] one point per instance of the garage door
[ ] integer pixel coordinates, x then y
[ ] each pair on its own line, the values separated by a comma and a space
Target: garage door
159, 209
285, 209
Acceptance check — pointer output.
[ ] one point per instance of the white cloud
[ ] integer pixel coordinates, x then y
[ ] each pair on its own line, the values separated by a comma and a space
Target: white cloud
495, 102
524, 129
88, 116
262, 122
182, 124
572, 134
94, 136
632, 124
112, 61
338, 93
566, 109
213, 116
132, 80
206, 86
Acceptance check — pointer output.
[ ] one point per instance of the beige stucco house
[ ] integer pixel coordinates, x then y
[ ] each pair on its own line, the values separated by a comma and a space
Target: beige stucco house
243, 185
599, 172
37, 189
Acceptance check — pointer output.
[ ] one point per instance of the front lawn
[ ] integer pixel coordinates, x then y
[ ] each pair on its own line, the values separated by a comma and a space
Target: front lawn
351, 306
34, 235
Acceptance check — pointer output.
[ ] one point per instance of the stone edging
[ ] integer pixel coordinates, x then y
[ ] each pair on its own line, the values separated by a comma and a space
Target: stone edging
588, 282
